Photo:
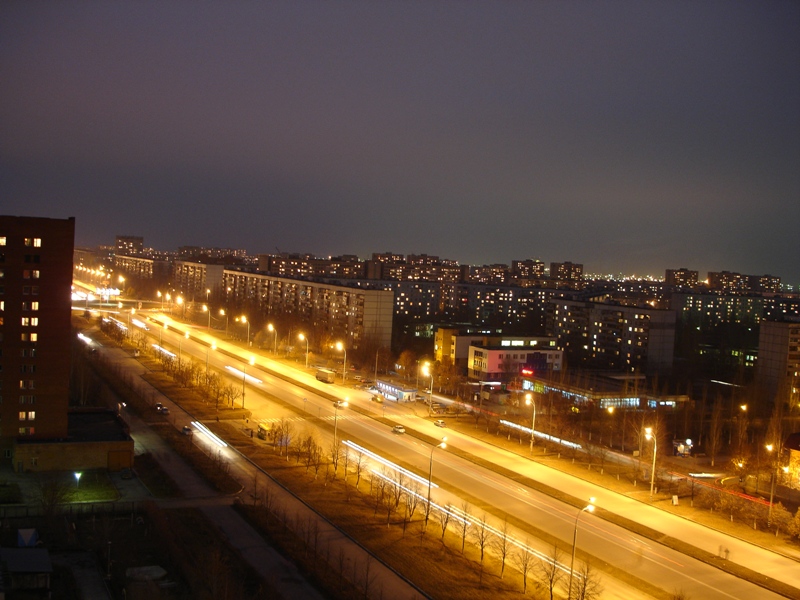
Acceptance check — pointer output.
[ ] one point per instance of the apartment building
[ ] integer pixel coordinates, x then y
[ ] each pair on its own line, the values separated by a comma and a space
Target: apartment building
778, 366
625, 338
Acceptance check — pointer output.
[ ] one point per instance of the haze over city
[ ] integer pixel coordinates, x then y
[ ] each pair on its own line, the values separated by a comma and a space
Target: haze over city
630, 137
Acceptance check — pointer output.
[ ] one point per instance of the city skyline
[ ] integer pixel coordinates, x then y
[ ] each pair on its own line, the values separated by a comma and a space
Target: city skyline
629, 138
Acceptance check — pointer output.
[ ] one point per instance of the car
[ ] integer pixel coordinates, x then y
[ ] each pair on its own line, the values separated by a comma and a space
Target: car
440, 423
159, 406
186, 430
340, 404
398, 429
164, 410
377, 398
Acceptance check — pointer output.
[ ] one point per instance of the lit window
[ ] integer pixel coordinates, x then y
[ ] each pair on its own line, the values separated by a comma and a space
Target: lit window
29, 241
22, 415
37, 242
26, 321
34, 321
34, 306
31, 415
2, 240
35, 274
34, 337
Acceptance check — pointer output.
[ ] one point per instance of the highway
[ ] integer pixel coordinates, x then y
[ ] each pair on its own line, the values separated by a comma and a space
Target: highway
660, 566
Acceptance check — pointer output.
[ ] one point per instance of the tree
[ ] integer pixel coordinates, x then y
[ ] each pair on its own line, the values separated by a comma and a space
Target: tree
481, 533
406, 361
502, 545
549, 571
463, 524
714, 438
524, 561
336, 454
586, 584
781, 518
443, 518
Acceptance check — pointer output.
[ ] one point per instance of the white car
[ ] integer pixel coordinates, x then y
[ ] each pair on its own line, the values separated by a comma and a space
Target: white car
440, 423
398, 429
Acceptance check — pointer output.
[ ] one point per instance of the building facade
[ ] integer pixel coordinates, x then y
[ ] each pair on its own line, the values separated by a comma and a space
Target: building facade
35, 328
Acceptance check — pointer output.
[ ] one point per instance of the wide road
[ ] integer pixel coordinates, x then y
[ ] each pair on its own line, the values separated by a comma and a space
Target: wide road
649, 561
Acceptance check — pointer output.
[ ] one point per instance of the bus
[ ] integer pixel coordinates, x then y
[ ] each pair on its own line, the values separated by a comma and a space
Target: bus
326, 375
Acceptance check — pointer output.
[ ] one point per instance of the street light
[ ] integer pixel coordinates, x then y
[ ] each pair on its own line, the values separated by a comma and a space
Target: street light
648, 434
442, 445
244, 376
78, 478
590, 508
427, 371
335, 417
208, 349
179, 300
222, 313
274, 332
774, 477
302, 337
529, 401
243, 319
208, 310
340, 347
161, 297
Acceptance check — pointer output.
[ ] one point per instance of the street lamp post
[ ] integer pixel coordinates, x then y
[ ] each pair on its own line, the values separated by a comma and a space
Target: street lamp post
302, 337
650, 435
335, 417
243, 319
161, 297
529, 401
222, 313
341, 348
210, 347
590, 508
442, 445
207, 308
274, 332
427, 371
244, 376
774, 477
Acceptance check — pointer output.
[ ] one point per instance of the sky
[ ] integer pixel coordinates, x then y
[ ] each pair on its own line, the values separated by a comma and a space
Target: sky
629, 136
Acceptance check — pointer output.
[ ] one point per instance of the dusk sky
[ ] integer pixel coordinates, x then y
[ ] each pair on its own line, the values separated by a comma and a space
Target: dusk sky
631, 137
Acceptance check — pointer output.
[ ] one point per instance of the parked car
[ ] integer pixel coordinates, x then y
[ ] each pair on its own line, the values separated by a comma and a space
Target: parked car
440, 423
159, 406
164, 410
186, 430
398, 429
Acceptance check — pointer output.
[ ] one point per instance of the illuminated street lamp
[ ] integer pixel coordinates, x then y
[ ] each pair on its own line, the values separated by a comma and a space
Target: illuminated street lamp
78, 478
222, 313
442, 445
590, 508
180, 302
428, 372
244, 376
208, 349
302, 337
648, 434
340, 347
208, 310
529, 401
244, 320
274, 332
774, 477
161, 297
335, 415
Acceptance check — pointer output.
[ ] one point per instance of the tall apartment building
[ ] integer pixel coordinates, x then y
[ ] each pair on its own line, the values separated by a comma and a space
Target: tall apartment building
567, 274
778, 365
129, 245
35, 305
626, 338
682, 277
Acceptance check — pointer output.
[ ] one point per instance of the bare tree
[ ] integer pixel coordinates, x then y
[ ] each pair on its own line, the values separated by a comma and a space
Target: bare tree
502, 545
336, 454
360, 465
714, 437
524, 561
549, 571
586, 584
464, 524
443, 518
482, 535
413, 498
